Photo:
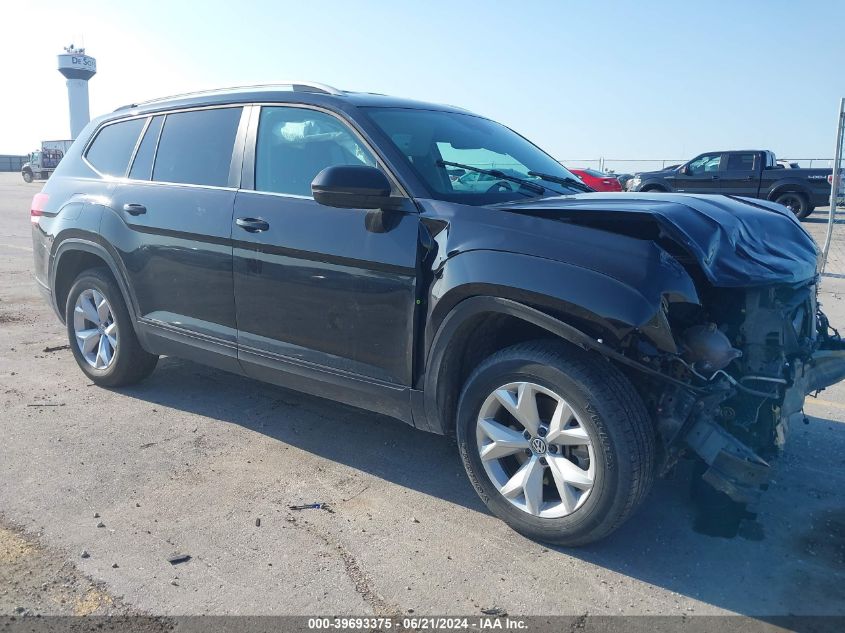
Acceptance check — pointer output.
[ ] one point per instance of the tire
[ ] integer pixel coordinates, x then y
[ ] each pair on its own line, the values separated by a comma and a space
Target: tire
795, 202
653, 190
118, 360
27, 176
606, 408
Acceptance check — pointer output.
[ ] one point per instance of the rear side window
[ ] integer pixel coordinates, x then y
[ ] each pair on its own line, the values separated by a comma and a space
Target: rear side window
112, 148
741, 162
142, 166
196, 147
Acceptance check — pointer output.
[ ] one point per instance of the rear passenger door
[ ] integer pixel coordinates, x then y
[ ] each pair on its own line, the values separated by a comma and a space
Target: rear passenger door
172, 230
741, 174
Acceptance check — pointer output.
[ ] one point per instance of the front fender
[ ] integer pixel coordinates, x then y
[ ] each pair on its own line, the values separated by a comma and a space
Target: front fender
591, 300
660, 182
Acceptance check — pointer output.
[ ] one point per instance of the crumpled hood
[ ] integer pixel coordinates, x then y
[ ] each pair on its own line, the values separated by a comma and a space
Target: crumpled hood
736, 241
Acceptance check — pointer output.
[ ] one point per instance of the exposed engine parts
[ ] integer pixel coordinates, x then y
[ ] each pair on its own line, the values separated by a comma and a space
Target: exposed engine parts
747, 362
707, 348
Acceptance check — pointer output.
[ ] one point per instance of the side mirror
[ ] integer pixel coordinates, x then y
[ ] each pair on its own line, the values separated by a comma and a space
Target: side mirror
685, 170
352, 187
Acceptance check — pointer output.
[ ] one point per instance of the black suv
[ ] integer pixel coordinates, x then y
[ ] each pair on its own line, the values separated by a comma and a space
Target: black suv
577, 344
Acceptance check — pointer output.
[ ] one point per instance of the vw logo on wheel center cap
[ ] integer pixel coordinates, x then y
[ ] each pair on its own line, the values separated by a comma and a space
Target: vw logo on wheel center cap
538, 445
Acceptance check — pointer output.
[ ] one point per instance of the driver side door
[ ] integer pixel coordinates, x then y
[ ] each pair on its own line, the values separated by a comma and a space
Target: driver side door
325, 297
703, 175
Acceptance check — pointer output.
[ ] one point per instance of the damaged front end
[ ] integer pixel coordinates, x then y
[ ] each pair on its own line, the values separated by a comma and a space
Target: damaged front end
749, 357
725, 372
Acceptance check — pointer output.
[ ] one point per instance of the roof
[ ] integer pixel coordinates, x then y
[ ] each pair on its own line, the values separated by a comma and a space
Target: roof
286, 92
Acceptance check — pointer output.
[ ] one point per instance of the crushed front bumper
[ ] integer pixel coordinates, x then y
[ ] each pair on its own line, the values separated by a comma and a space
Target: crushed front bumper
736, 469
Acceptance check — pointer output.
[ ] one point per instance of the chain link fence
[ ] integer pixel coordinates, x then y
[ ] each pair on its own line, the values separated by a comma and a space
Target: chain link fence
634, 165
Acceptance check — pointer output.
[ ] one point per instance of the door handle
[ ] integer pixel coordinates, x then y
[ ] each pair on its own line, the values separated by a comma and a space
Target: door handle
714, 178
134, 209
252, 225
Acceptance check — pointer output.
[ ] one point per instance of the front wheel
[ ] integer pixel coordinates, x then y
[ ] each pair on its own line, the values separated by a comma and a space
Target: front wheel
100, 332
556, 442
795, 202
27, 176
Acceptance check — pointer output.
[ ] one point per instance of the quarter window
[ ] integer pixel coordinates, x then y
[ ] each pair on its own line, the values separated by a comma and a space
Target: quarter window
112, 148
296, 144
196, 147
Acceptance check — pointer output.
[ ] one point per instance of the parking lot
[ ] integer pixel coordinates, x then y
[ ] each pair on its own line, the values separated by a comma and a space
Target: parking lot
199, 462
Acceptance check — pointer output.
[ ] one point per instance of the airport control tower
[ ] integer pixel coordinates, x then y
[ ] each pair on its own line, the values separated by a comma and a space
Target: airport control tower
78, 68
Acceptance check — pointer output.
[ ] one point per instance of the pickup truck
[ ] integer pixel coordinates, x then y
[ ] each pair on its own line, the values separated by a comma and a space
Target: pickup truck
748, 173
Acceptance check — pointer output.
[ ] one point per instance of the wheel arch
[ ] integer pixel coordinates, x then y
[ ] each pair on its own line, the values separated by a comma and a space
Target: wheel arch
476, 328
789, 186
74, 255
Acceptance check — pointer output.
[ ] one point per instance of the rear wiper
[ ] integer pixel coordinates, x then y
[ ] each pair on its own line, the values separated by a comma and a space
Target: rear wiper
531, 186
562, 180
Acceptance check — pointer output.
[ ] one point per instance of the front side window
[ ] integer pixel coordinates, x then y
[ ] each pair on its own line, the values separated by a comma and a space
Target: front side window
436, 144
295, 144
112, 148
705, 164
196, 147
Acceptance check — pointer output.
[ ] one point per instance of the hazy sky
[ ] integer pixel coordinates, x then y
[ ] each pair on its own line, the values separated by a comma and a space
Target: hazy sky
582, 79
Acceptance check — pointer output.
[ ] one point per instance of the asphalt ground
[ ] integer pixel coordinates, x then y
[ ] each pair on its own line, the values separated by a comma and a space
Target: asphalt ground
189, 460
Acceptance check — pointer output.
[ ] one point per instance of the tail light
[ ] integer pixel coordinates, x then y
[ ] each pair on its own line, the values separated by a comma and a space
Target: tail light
39, 203
830, 180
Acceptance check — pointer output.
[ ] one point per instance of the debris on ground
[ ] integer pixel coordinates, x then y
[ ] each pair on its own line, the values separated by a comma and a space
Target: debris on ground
312, 506
101, 525
85, 554
495, 612
46, 404
57, 348
257, 522
176, 558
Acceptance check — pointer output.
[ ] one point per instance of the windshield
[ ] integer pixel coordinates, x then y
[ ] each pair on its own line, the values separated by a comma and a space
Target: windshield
594, 173
434, 142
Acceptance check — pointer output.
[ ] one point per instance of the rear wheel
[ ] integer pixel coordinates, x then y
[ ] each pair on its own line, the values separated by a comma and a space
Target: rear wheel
556, 442
100, 332
795, 202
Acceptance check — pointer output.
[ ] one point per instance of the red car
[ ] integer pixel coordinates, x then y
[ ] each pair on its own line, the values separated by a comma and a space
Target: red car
597, 180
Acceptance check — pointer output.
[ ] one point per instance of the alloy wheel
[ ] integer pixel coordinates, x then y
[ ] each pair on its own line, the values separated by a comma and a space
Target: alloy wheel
535, 450
792, 203
95, 329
